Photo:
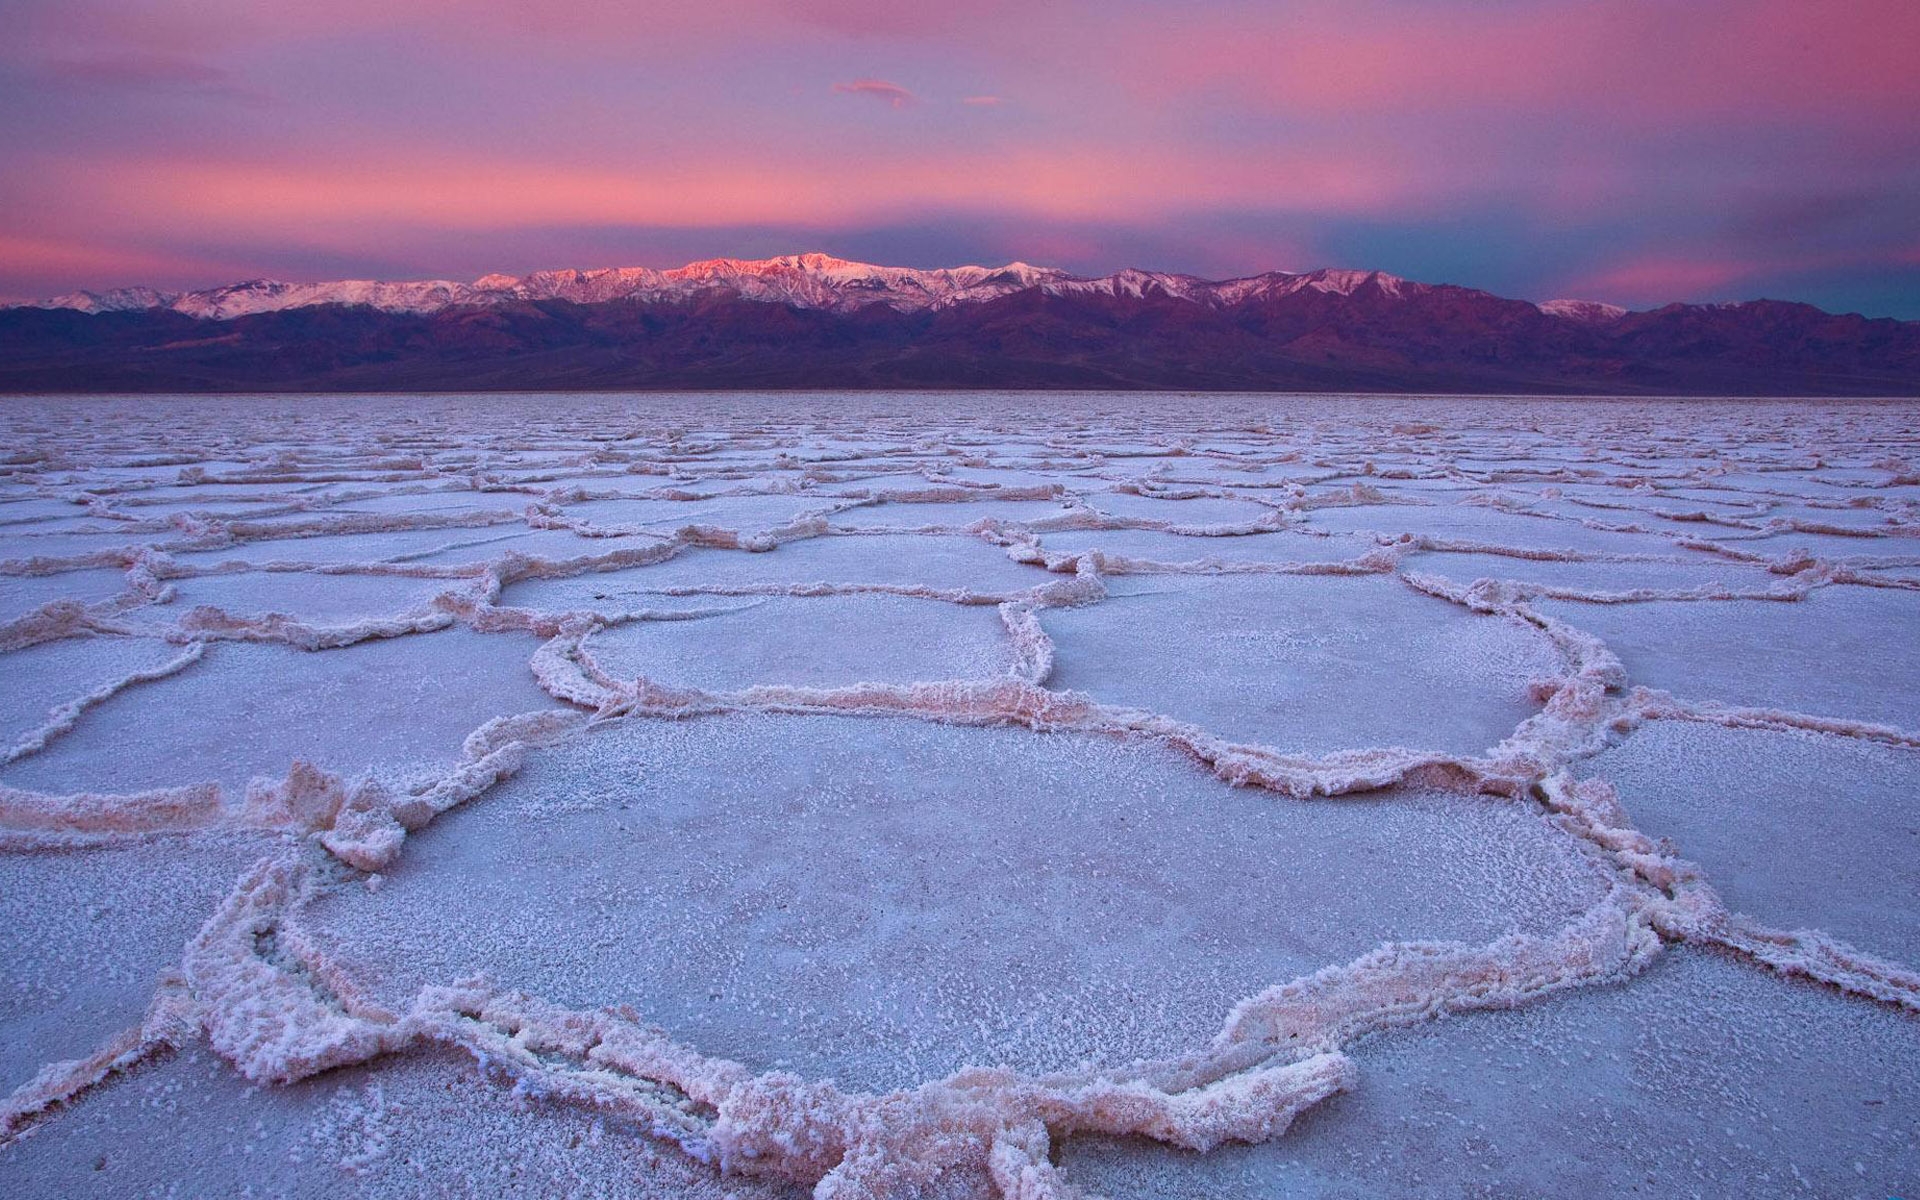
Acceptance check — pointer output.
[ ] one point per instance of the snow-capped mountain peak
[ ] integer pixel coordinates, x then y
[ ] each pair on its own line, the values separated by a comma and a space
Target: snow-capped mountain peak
1347, 282
811, 280
126, 299
807, 281
1587, 312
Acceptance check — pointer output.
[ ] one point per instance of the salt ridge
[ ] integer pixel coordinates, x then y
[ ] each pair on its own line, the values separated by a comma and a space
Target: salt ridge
259, 989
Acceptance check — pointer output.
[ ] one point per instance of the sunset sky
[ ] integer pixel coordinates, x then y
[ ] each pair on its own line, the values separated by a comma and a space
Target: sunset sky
1637, 151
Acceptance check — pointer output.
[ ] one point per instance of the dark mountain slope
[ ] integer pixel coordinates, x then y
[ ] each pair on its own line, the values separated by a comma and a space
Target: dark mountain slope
1378, 337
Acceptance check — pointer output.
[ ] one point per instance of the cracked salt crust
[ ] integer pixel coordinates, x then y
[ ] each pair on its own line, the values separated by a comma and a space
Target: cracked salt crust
793, 857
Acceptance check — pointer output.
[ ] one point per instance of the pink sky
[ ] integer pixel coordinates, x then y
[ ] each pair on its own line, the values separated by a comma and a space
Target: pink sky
1630, 150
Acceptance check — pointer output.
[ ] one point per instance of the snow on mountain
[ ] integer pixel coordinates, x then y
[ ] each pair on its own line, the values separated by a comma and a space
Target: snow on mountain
127, 299
1346, 283
1131, 282
1587, 312
266, 295
803, 280
811, 281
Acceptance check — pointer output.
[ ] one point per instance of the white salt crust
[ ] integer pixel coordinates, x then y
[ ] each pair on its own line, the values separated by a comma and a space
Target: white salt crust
1435, 604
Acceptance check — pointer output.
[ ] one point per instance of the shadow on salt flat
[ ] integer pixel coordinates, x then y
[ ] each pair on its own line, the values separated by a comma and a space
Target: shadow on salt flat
946, 515
21, 594
1596, 577
398, 1129
390, 706
745, 513
818, 641
1012, 476
1491, 526
1835, 546
555, 545
86, 934
78, 525
22, 513
1795, 829
1626, 502
893, 560
1841, 652
52, 673
1871, 523
1704, 1077
1154, 545
885, 901
1821, 486
350, 548
17, 545
177, 495
323, 600
503, 510
438, 501
1305, 664
1201, 510
160, 508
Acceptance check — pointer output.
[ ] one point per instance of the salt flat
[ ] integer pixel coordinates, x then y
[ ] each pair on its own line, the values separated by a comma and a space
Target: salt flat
869, 795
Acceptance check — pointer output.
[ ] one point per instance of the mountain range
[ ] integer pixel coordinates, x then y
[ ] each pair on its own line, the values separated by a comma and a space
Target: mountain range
813, 321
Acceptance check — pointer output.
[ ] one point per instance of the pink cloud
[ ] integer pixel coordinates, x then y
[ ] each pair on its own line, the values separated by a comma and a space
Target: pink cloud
892, 18
1657, 279
1664, 277
348, 196
152, 72
1226, 132
41, 266
890, 94
1649, 59
596, 28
